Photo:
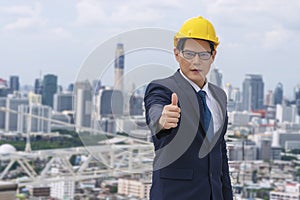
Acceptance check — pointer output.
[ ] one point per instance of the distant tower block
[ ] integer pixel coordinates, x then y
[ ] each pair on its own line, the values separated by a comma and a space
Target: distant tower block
119, 68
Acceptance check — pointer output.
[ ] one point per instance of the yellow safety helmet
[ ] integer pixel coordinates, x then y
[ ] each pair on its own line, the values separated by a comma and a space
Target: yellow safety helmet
198, 28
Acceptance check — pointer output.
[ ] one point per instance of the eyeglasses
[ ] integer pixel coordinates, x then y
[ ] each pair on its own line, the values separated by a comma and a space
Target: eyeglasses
204, 55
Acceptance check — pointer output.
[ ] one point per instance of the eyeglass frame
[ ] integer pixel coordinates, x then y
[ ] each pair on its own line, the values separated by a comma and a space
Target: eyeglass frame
197, 53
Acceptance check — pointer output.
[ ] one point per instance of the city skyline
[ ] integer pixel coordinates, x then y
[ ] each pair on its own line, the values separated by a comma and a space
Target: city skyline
291, 96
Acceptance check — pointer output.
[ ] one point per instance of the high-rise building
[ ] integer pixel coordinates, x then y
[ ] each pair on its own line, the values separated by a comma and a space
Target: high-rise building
278, 94
2, 113
234, 100
136, 105
216, 77
49, 89
4, 90
297, 98
110, 102
59, 118
134, 187
242, 150
63, 101
59, 89
63, 189
14, 84
270, 98
236, 95
253, 92
12, 104
228, 91
96, 86
34, 98
71, 87
119, 67
83, 104
286, 113
3, 83
37, 121
38, 86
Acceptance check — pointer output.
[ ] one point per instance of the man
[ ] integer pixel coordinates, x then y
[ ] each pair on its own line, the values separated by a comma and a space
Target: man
188, 119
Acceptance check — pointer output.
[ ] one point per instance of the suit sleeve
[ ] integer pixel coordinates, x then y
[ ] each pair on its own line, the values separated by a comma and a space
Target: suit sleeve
156, 97
226, 186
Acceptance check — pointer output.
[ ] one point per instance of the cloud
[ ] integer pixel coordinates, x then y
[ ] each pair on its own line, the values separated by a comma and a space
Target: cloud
29, 19
23, 17
61, 33
24, 23
277, 38
254, 12
271, 23
91, 12
21, 10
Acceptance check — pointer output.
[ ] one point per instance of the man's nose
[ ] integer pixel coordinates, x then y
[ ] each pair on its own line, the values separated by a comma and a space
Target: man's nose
197, 60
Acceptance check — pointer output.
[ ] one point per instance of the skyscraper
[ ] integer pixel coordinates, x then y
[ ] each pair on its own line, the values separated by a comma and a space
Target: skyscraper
34, 123
278, 94
236, 95
297, 98
228, 91
110, 102
4, 90
12, 104
71, 87
136, 105
2, 113
63, 101
253, 92
14, 84
270, 98
216, 77
119, 67
83, 104
49, 89
38, 86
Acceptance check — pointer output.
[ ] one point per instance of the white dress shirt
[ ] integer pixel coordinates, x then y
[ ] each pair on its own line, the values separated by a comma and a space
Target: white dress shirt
211, 102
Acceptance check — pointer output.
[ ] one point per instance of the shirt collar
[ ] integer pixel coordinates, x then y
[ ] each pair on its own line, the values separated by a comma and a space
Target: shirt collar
194, 85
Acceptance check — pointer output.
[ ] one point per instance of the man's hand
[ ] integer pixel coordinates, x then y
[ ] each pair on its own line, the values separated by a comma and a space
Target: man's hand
170, 114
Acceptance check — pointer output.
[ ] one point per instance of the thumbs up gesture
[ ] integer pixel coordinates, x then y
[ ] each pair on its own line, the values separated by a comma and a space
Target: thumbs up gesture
170, 114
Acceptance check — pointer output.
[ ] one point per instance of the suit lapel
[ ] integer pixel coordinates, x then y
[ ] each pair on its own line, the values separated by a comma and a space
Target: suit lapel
191, 96
185, 86
221, 100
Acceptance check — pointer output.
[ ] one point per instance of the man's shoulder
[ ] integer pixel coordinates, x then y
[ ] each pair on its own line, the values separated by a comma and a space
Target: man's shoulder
163, 80
167, 83
216, 89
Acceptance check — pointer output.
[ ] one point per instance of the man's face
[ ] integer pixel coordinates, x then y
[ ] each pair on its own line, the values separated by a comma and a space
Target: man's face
195, 68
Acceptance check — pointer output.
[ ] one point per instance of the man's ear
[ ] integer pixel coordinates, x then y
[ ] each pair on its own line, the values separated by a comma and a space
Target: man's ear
176, 53
214, 53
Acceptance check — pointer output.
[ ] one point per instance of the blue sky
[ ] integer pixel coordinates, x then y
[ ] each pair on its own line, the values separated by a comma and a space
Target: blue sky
256, 36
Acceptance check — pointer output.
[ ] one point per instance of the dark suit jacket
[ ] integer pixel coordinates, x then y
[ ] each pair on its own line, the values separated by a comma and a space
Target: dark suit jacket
186, 166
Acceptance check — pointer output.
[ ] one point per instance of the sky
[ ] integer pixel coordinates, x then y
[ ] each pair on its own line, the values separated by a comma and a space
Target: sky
56, 37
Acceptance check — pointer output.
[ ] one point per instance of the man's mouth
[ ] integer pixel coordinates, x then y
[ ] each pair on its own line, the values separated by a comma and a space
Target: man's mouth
196, 70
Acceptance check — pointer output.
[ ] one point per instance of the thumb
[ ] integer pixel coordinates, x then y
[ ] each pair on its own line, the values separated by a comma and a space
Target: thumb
174, 99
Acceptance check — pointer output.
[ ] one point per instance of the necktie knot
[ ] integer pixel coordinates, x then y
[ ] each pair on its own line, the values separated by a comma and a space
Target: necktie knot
202, 93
